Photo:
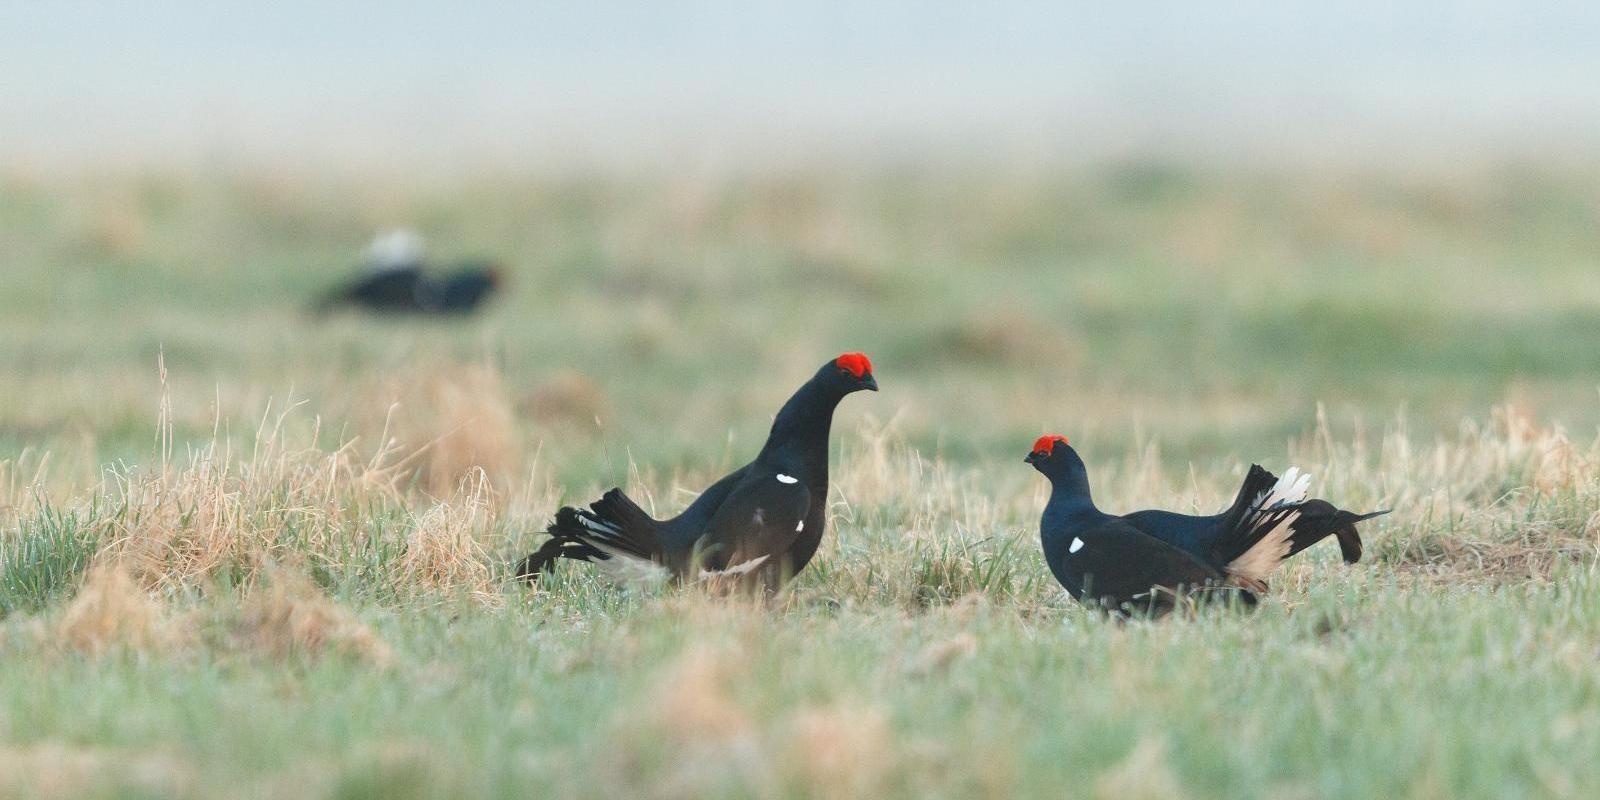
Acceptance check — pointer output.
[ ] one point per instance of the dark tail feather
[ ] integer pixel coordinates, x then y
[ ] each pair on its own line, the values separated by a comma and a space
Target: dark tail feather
1319, 519
1257, 481
612, 525
559, 546
628, 527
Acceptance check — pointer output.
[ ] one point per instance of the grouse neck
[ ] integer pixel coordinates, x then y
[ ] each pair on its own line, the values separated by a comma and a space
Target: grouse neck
1070, 500
802, 426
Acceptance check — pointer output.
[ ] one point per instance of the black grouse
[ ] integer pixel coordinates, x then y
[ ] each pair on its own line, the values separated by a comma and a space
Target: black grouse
760, 524
397, 281
1144, 560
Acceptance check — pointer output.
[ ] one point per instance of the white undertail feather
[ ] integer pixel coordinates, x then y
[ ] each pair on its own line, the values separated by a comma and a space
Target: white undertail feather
621, 567
1290, 489
1269, 510
1262, 558
631, 570
733, 571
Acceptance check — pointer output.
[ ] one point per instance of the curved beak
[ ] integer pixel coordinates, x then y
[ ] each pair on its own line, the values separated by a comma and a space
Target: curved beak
870, 384
1032, 458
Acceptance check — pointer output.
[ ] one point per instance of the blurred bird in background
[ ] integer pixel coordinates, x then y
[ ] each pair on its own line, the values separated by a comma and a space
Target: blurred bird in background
395, 280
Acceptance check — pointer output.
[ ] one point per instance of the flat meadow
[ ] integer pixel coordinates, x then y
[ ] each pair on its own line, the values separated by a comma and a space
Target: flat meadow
249, 552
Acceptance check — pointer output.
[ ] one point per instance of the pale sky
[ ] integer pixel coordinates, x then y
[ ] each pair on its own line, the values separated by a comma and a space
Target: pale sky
488, 82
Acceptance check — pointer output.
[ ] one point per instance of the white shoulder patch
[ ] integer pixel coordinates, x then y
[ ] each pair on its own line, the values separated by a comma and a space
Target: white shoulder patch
782, 478
1077, 544
799, 526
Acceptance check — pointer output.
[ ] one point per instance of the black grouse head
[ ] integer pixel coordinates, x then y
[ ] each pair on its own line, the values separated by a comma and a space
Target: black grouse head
493, 276
848, 373
1051, 454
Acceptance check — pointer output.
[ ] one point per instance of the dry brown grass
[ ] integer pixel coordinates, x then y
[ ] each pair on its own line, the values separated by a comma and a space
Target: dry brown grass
565, 397
51, 770
445, 552
21, 477
291, 617
459, 418
1498, 503
178, 526
1503, 501
112, 613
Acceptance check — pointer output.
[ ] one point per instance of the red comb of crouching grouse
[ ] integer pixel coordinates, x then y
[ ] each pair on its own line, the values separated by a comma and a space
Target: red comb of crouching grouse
762, 522
1141, 560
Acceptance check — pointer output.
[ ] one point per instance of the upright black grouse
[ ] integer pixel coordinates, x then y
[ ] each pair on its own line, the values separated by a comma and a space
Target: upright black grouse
1141, 561
761, 523
396, 281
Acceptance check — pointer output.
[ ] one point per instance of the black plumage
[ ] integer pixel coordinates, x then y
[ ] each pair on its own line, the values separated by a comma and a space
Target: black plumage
1117, 561
1113, 565
398, 280
763, 522
1316, 520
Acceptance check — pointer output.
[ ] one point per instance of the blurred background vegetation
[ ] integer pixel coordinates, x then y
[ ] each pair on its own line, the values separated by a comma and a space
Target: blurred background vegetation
1175, 225
662, 318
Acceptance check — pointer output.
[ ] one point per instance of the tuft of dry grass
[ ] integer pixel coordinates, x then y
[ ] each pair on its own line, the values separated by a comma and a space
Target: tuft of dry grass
459, 419
1501, 502
111, 613
445, 554
181, 526
290, 617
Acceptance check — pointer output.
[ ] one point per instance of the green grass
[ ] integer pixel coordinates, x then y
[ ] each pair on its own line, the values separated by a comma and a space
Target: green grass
1177, 323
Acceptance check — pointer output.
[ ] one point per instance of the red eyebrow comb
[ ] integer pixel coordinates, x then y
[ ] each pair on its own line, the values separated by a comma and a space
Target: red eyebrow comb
856, 363
1046, 444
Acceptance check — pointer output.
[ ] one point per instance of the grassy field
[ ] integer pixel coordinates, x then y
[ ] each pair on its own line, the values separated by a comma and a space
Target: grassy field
245, 552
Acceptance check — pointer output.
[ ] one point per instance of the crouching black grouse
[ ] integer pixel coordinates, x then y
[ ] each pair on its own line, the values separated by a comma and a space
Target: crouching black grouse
760, 524
396, 281
1145, 560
